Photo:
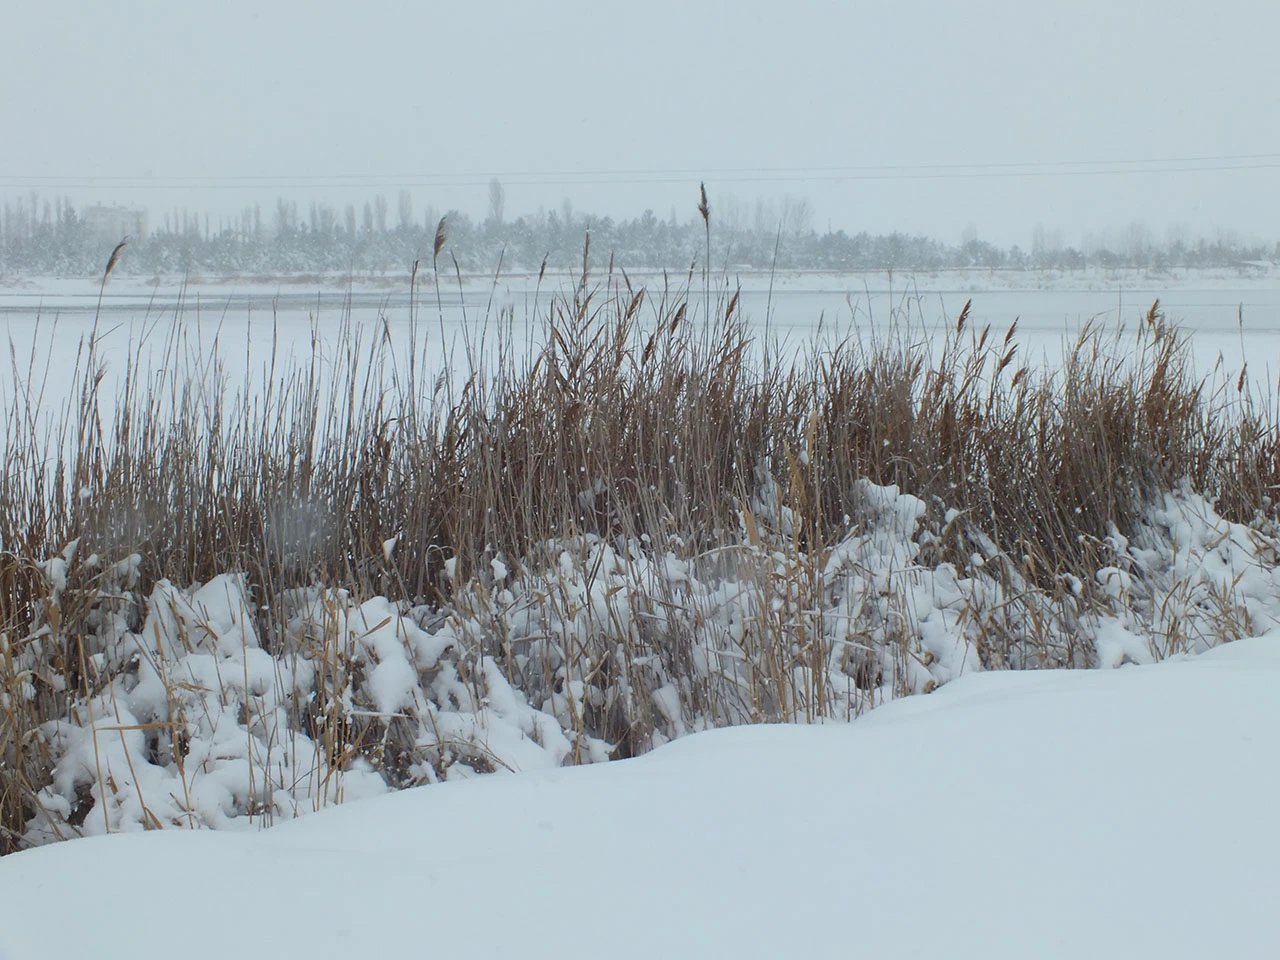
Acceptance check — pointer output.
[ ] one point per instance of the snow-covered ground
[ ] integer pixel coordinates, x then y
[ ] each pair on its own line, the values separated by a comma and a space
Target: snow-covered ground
1061, 814
1119, 813
976, 279
584, 650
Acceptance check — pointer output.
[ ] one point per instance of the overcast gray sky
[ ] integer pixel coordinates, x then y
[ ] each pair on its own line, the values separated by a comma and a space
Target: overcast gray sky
878, 113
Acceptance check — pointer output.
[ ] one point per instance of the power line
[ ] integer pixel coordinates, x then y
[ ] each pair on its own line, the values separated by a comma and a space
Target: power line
810, 174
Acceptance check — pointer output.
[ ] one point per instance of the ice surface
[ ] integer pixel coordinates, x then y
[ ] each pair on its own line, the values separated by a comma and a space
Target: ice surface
1232, 313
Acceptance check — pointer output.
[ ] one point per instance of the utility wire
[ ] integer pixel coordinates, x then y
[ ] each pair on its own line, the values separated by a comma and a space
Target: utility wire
948, 171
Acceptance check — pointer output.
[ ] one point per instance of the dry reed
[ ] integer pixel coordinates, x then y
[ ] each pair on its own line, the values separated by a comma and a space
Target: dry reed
631, 423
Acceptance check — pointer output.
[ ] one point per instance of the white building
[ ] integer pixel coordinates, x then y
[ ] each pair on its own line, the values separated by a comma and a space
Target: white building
112, 224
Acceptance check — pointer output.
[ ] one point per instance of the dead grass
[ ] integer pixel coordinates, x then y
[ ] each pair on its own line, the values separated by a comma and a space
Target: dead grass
641, 419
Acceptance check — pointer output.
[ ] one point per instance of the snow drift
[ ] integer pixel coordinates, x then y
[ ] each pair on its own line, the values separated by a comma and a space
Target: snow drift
593, 650
1057, 814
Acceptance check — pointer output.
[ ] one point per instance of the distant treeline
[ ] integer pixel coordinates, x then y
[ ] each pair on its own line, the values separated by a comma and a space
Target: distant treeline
38, 237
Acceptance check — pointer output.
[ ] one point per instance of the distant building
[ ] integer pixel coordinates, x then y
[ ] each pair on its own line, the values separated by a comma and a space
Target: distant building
112, 224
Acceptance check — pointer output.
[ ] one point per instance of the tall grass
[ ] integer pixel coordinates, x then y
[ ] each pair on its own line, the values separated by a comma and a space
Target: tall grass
637, 419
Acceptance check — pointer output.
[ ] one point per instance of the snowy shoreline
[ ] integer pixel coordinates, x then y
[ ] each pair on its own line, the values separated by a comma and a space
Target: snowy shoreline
1057, 815
203, 724
284, 680
1260, 276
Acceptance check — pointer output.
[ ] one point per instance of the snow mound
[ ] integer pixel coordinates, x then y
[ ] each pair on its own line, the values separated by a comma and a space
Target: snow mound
208, 713
1056, 814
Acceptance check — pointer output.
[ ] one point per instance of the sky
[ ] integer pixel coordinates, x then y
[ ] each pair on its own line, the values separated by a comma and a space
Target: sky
949, 119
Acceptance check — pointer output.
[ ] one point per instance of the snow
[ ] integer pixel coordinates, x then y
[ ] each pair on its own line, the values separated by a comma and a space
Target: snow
195, 724
1120, 812
1062, 814
1255, 275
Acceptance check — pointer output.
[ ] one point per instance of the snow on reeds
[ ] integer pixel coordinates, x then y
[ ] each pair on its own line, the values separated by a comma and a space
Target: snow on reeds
227, 604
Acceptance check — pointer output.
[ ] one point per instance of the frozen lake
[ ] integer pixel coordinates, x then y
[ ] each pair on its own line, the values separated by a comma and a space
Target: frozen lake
1231, 318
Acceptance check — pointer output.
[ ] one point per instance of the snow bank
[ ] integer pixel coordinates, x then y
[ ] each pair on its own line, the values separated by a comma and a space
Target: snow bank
588, 650
1056, 814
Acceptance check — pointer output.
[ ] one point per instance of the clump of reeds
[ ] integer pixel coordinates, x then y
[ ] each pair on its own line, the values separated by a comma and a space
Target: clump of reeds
630, 423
